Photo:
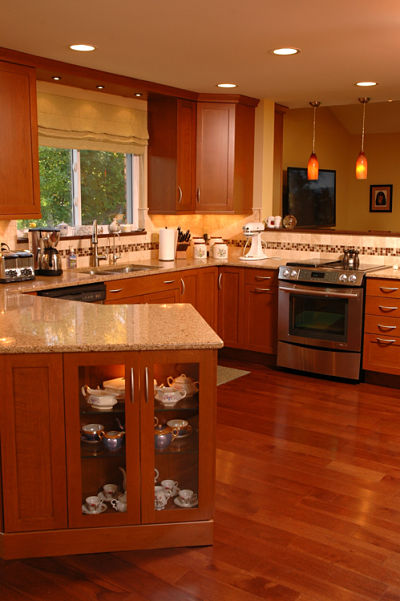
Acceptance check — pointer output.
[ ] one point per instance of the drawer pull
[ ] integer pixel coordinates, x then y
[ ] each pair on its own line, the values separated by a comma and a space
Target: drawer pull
116, 290
168, 281
384, 289
183, 286
387, 308
385, 340
263, 277
261, 290
385, 328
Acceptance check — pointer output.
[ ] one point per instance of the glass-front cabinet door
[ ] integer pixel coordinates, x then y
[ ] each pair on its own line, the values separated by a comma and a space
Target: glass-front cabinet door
177, 447
102, 430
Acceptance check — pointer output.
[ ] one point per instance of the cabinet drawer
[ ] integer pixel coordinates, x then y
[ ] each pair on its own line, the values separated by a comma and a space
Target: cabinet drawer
382, 354
376, 305
383, 287
382, 324
141, 285
261, 278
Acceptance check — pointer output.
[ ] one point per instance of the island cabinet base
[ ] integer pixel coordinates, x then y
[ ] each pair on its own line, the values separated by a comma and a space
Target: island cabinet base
101, 540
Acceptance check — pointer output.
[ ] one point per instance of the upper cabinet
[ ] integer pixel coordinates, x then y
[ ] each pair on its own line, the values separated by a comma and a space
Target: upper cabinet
19, 163
201, 155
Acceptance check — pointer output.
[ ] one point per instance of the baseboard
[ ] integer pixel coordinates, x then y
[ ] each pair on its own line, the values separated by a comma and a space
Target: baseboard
249, 356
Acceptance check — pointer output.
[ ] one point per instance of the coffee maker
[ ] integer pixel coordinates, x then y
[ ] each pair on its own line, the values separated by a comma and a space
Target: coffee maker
43, 242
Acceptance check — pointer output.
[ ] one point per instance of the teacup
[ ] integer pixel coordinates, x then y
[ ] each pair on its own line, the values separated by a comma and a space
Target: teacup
169, 396
91, 432
120, 504
109, 491
186, 496
181, 425
170, 486
161, 497
93, 503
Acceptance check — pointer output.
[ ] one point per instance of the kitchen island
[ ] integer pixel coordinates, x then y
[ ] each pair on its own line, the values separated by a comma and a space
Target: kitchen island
50, 351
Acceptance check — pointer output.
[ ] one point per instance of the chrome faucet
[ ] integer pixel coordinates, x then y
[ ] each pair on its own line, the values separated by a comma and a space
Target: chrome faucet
115, 256
95, 258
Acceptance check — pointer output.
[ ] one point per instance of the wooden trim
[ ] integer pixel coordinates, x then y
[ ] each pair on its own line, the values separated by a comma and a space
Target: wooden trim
91, 540
226, 98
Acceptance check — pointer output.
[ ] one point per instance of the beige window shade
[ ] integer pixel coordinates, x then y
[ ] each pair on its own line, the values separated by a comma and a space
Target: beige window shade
66, 122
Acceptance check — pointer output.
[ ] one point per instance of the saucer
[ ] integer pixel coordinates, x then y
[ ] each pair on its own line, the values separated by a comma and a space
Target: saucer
102, 509
178, 501
166, 403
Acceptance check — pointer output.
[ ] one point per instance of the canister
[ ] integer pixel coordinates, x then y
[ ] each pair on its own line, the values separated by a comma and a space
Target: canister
199, 250
220, 250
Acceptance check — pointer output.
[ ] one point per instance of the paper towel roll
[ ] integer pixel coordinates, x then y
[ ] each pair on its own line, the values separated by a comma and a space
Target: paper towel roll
167, 244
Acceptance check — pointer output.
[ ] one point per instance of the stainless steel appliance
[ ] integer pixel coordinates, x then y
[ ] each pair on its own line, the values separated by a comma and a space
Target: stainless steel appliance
16, 266
43, 242
320, 316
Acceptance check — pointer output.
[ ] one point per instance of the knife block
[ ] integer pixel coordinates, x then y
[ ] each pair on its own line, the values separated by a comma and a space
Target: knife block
181, 250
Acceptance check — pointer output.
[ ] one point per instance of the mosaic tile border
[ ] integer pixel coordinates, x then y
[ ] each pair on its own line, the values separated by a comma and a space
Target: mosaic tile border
385, 251
120, 249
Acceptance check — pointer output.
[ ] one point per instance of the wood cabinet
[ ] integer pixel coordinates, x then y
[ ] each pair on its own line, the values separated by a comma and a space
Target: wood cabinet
19, 162
248, 308
199, 287
39, 478
160, 288
172, 155
32, 442
382, 326
205, 167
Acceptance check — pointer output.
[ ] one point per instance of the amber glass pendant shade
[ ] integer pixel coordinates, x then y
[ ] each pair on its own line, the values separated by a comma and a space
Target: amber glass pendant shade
312, 167
361, 166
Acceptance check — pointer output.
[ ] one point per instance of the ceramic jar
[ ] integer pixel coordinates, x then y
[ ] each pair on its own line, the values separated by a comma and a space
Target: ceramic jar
220, 250
199, 250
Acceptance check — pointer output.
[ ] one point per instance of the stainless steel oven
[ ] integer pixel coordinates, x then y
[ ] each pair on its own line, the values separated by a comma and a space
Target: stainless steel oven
320, 319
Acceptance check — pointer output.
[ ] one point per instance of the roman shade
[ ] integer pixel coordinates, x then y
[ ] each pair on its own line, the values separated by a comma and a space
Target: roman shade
71, 122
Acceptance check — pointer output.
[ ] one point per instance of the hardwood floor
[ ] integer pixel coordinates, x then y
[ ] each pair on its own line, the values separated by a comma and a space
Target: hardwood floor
307, 507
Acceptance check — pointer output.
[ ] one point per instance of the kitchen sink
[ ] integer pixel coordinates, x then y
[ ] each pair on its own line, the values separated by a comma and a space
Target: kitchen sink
117, 269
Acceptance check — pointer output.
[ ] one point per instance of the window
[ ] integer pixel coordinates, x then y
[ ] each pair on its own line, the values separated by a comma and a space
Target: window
78, 186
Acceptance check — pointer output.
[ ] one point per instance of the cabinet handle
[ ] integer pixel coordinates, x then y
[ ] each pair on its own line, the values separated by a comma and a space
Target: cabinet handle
260, 290
116, 290
132, 385
180, 194
383, 289
387, 308
198, 195
183, 287
146, 384
220, 281
263, 277
384, 328
168, 281
385, 341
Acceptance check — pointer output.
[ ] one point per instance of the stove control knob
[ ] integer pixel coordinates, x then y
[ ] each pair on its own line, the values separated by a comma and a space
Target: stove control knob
352, 277
343, 277
286, 273
293, 273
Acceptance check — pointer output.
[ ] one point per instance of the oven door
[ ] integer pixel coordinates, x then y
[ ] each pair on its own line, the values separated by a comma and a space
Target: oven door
316, 316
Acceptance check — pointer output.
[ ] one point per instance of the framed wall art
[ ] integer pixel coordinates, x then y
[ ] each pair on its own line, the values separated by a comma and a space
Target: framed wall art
380, 199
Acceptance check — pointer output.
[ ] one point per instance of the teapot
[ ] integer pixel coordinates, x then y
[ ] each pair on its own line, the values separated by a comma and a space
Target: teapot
163, 435
184, 383
112, 439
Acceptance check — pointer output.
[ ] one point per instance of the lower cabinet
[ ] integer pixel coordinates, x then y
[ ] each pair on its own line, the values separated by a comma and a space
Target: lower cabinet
248, 308
382, 326
139, 467
199, 287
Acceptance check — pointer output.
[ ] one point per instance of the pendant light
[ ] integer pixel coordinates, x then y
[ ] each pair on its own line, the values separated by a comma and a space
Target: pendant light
361, 162
313, 165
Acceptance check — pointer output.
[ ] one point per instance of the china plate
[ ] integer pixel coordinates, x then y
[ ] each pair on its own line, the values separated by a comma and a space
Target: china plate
289, 222
101, 509
178, 501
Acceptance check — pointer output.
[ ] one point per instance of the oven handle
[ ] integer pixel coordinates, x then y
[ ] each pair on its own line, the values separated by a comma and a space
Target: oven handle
318, 292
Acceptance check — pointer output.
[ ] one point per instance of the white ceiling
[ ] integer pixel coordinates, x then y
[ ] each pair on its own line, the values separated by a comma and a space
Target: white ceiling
193, 45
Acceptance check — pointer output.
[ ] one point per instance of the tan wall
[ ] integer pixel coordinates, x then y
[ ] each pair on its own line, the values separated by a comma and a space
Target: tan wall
337, 149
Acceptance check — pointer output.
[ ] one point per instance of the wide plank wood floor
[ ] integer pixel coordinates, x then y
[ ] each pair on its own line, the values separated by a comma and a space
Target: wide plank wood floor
307, 507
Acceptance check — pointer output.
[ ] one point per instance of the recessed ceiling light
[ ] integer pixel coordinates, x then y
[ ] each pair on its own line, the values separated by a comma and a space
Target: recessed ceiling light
138, 94
227, 85
285, 51
56, 77
82, 47
365, 84
100, 87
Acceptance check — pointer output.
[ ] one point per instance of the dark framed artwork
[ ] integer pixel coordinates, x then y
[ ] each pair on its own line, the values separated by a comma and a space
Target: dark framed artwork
380, 199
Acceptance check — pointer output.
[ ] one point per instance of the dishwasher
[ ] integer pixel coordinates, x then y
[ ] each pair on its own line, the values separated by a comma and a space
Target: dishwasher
86, 293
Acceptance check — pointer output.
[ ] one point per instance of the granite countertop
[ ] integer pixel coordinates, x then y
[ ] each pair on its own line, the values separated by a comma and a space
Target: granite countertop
389, 273
30, 324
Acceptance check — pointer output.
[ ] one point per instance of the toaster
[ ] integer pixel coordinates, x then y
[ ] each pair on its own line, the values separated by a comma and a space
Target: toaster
16, 266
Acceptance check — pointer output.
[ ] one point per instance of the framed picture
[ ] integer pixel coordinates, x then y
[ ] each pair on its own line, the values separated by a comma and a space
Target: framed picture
380, 199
